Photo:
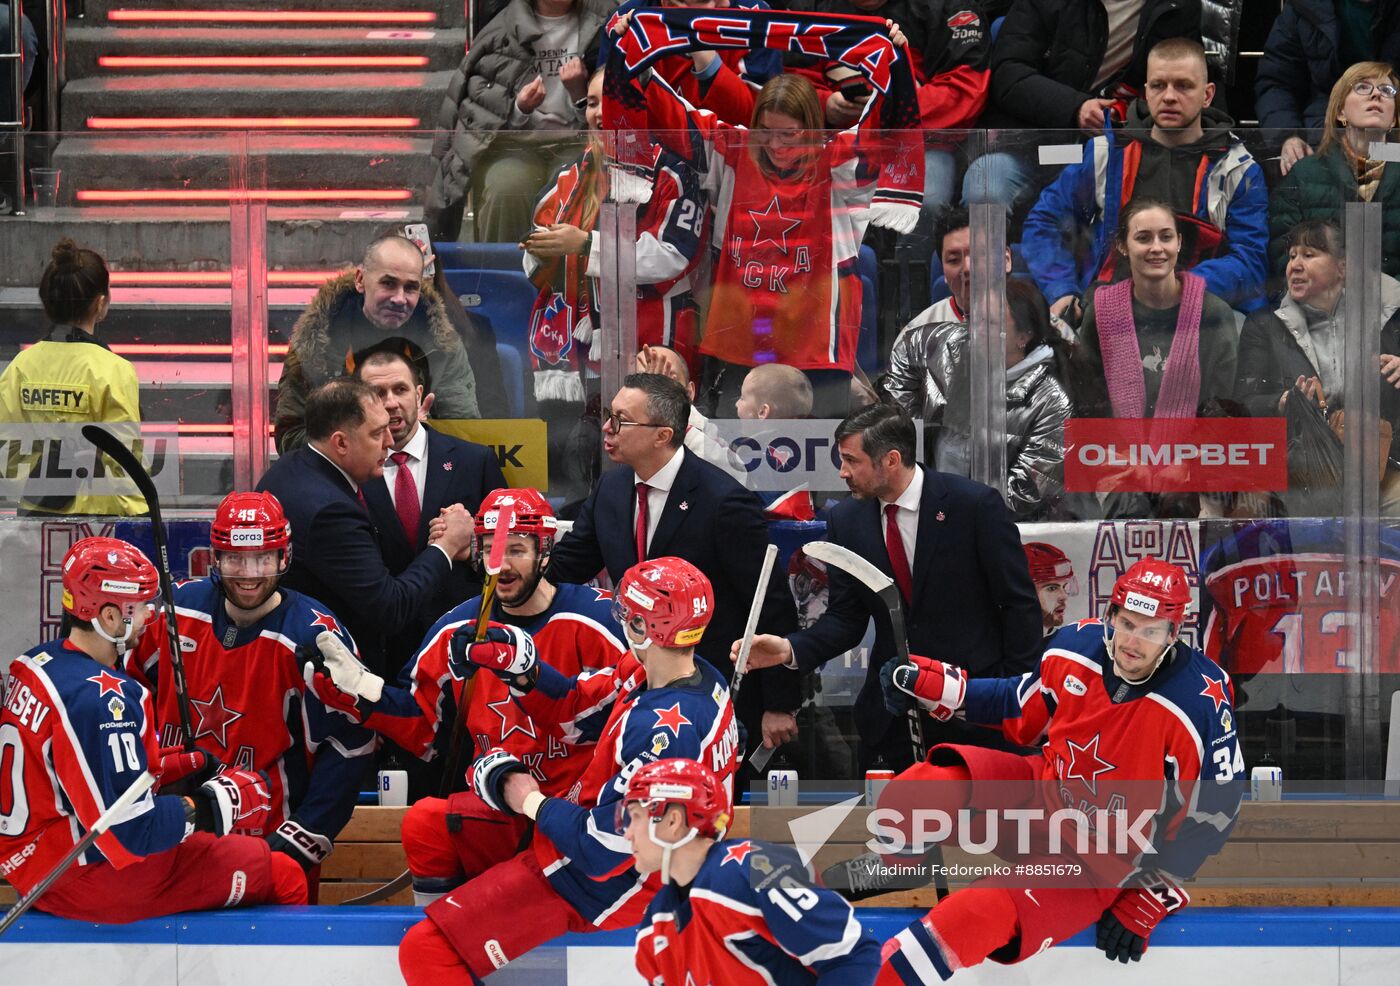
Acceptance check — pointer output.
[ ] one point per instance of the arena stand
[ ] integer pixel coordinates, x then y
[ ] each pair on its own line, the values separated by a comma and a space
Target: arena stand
217, 237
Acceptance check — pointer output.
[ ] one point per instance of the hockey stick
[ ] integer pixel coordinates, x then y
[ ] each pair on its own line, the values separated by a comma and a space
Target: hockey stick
457, 739
107, 819
112, 447
762, 754
883, 586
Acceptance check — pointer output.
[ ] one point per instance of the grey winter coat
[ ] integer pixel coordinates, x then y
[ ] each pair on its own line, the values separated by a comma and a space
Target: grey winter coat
333, 325
927, 377
481, 95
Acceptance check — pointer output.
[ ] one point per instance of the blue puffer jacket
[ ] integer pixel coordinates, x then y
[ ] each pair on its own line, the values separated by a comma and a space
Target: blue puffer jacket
1302, 62
1086, 197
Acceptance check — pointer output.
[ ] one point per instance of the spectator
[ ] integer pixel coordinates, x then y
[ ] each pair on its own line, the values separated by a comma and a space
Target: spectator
383, 296
667, 501
929, 377
1361, 112
955, 553
1299, 344
336, 556
563, 259
774, 391
723, 82
950, 48
71, 376
1178, 150
1053, 575
793, 207
509, 115
1310, 43
29, 46
952, 235
426, 471
701, 436
1066, 64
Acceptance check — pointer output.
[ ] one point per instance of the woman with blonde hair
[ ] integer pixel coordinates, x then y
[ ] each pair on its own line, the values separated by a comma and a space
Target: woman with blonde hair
1360, 112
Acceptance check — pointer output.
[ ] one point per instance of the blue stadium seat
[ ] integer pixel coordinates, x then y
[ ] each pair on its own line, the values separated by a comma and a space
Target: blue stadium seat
996, 28
868, 344
485, 256
938, 290
505, 298
513, 372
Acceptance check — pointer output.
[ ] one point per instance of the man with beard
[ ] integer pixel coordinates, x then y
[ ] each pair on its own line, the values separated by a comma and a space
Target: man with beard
1053, 575
385, 295
242, 641
571, 627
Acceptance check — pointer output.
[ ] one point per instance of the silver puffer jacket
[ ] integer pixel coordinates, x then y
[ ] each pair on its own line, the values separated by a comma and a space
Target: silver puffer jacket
927, 378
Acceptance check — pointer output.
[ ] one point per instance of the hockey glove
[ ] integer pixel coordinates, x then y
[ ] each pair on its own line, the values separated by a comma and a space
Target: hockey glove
236, 801
294, 839
940, 688
508, 652
1126, 926
344, 668
178, 764
487, 776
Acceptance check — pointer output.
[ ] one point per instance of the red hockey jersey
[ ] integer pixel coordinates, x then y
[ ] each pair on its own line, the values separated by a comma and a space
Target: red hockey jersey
576, 634
74, 735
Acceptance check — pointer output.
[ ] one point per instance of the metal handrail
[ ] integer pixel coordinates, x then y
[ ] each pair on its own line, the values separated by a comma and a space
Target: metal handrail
15, 56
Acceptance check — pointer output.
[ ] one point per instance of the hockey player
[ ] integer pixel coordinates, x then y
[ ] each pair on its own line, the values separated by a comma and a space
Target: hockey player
1127, 711
449, 840
76, 732
661, 701
242, 639
741, 912
1053, 575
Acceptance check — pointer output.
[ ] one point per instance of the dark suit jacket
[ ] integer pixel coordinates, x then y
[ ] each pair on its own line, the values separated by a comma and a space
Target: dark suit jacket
974, 604
336, 555
458, 472
718, 526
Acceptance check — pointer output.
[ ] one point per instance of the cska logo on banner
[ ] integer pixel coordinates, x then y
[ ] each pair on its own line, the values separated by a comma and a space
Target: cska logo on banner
650, 36
552, 331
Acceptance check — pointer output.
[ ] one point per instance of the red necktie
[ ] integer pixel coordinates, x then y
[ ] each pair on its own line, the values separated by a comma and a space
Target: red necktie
899, 561
642, 490
406, 497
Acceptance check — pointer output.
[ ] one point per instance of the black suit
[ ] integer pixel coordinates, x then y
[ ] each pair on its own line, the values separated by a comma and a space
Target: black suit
973, 603
336, 556
457, 472
719, 527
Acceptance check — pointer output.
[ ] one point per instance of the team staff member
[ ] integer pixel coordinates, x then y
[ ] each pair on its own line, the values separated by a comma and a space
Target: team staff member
337, 556
243, 677
669, 501
76, 732
739, 912
953, 550
72, 377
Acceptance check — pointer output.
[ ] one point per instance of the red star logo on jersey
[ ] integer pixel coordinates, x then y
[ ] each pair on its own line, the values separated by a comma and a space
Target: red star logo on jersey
600, 595
671, 718
214, 717
325, 621
1086, 764
1214, 690
510, 723
737, 853
771, 226
108, 682
1081, 624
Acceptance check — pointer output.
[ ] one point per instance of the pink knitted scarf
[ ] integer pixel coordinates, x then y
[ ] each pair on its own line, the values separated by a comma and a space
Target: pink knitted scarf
1122, 356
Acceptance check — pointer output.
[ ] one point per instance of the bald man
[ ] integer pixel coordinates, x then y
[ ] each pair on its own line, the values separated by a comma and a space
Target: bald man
385, 296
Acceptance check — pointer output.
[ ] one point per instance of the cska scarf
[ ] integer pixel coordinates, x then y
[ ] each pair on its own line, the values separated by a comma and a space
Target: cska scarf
861, 43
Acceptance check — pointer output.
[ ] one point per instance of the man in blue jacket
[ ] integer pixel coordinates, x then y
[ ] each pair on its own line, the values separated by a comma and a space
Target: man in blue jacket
1181, 151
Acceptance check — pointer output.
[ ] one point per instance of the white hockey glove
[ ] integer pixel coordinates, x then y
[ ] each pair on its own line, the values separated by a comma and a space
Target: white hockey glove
344, 668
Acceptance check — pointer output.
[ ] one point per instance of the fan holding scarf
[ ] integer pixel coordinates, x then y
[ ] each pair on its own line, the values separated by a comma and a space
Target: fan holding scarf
791, 203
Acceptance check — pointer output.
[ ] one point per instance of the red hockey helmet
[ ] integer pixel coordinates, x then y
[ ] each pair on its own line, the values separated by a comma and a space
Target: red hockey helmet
533, 515
1049, 564
1153, 588
668, 597
687, 784
105, 571
250, 522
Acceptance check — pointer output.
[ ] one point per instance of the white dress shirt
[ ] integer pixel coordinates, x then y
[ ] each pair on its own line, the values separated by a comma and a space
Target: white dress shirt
417, 449
660, 485
907, 517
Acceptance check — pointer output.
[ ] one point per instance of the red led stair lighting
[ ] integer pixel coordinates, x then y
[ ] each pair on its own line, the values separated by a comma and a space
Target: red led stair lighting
255, 195
261, 61
374, 17
253, 122
212, 278
177, 349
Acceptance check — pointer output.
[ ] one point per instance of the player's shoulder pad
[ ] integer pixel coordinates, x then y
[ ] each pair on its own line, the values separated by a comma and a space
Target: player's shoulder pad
1084, 638
588, 601
304, 618
743, 869
197, 594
